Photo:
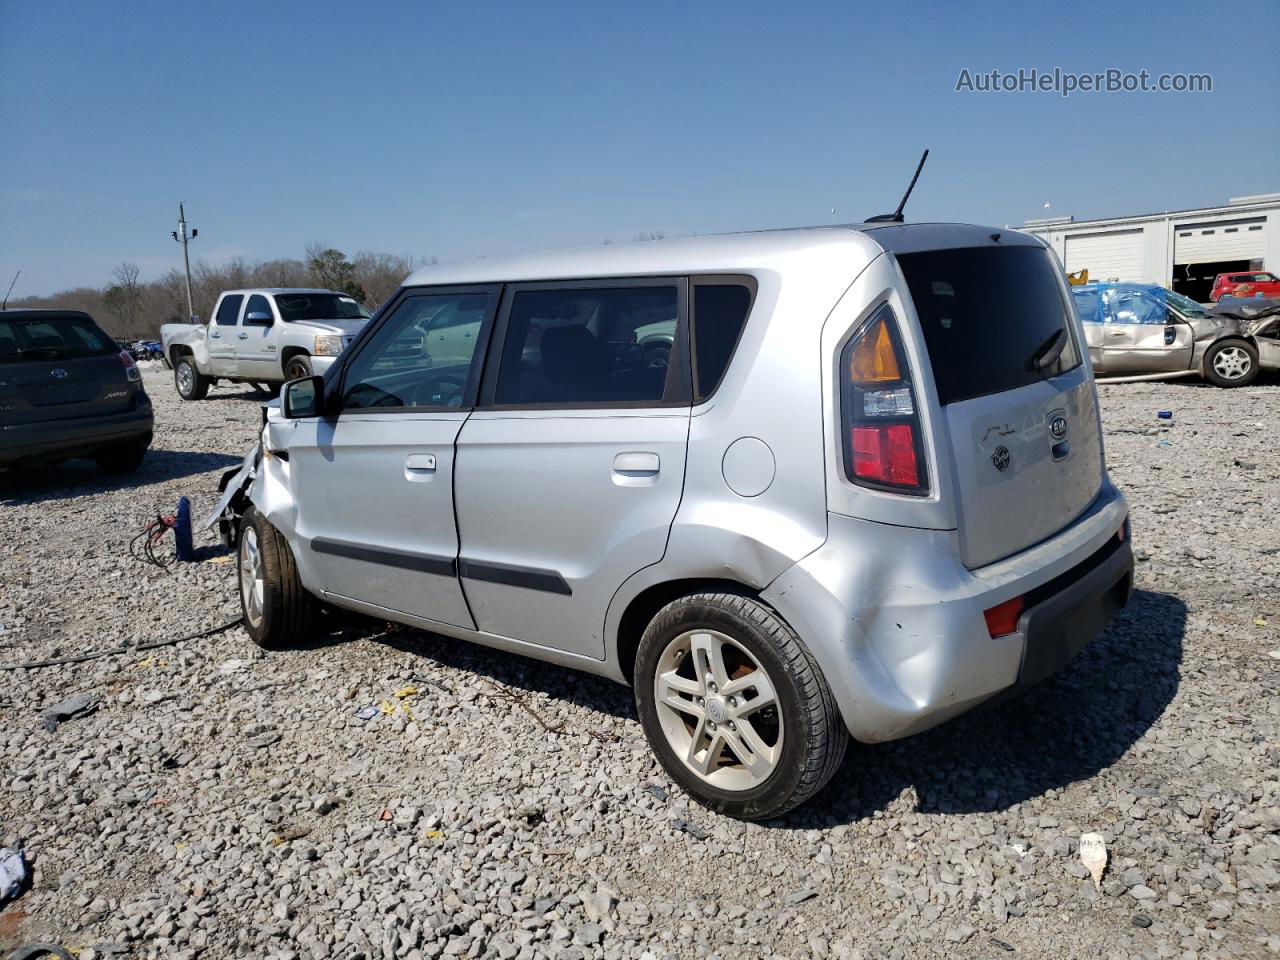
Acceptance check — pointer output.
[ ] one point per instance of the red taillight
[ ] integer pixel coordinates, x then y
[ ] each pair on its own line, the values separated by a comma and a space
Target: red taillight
886, 455
1002, 619
883, 443
131, 371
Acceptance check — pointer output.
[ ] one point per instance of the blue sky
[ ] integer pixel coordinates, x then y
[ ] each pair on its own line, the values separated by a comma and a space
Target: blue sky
467, 129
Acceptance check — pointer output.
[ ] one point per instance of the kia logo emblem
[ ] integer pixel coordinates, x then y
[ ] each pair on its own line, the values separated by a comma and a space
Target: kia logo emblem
58, 373
1001, 458
1058, 427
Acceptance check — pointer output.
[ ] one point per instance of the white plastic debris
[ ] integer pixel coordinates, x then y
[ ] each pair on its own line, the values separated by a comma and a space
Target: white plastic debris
232, 665
13, 872
1093, 854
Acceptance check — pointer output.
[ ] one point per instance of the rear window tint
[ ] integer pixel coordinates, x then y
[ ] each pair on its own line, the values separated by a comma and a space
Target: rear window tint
985, 313
588, 346
719, 314
228, 310
54, 338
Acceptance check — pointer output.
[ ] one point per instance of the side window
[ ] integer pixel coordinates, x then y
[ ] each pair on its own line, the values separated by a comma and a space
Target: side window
719, 315
257, 304
423, 354
588, 346
228, 310
1132, 306
1089, 306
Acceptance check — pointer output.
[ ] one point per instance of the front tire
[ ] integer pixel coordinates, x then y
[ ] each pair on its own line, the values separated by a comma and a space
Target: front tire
278, 611
190, 383
735, 707
297, 367
1231, 363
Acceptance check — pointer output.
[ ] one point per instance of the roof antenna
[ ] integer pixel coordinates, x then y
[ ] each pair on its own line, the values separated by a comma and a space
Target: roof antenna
896, 216
5, 305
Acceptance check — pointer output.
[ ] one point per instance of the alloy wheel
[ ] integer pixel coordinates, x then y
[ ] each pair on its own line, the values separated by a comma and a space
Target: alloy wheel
251, 576
718, 709
186, 380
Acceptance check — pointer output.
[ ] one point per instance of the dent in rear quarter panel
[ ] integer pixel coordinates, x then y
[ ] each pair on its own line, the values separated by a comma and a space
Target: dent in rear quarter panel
771, 392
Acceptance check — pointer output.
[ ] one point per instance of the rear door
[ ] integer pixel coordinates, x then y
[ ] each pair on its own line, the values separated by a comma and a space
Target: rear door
221, 335
570, 472
375, 483
1026, 443
59, 367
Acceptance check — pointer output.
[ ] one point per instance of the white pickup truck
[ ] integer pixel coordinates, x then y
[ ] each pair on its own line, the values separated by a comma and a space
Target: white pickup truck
264, 336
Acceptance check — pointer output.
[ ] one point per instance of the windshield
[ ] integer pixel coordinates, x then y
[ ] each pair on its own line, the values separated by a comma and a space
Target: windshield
51, 338
319, 306
1185, 305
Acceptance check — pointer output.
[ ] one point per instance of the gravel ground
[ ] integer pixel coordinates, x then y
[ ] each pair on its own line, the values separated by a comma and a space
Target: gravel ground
220, 803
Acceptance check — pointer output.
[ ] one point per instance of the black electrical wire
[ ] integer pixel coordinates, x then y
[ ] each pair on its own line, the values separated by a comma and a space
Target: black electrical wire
80, 658
150, 538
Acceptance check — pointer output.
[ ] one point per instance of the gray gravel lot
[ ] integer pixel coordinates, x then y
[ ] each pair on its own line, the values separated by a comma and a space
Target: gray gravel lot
220, 803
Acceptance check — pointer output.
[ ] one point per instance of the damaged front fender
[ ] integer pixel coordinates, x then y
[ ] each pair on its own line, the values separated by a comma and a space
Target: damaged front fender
234, 487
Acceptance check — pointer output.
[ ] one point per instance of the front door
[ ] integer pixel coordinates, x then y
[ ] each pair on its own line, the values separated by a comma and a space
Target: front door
1141, 334
570, 473
256, 352
374, 484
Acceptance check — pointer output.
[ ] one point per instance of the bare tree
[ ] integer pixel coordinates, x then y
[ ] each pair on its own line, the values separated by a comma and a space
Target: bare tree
651, 235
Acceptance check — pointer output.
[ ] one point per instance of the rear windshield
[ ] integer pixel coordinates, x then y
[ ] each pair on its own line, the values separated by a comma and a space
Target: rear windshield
987, 314
319, 306
51, 338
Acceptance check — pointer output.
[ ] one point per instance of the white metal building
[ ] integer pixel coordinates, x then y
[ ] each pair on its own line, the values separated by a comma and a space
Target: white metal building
1183, 249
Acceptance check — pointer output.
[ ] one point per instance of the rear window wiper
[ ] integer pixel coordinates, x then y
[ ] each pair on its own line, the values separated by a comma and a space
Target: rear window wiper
1047, 353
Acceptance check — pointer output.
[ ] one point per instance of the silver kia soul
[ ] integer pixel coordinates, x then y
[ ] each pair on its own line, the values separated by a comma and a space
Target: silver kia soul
790, 485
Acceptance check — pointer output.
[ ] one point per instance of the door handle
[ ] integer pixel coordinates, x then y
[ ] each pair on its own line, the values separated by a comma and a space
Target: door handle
244, 336
1115, 333
214, 335
636, 465
420, 462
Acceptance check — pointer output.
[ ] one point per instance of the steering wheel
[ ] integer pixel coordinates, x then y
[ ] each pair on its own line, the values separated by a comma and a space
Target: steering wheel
439, 391
657, 353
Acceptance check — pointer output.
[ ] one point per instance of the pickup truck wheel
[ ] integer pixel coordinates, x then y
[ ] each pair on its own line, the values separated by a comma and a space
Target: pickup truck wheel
278, 611
735, 707
190, 382
298, 367
1231, 363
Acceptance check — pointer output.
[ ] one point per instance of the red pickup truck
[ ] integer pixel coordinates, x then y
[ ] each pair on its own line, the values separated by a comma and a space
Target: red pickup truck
1255, 284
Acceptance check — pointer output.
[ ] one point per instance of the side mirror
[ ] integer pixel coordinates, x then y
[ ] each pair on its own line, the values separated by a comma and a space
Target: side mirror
302, 398
258, 319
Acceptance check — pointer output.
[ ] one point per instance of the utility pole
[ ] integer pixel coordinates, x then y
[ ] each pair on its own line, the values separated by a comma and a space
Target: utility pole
180, 235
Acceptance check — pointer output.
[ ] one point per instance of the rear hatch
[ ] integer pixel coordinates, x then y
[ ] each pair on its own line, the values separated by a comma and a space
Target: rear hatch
59, 367
1023, 430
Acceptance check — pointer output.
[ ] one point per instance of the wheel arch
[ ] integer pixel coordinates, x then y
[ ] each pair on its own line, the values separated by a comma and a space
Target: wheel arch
642, 608
288, 353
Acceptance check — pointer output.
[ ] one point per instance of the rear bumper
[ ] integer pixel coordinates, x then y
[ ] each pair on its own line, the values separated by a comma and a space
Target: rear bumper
80, 436
896, 621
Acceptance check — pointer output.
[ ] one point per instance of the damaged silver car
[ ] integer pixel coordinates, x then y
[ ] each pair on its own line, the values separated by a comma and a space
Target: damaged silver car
1141, 331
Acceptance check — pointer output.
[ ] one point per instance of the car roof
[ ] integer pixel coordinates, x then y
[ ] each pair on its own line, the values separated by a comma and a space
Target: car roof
42, 313
275, 290
1118, 285
720, 253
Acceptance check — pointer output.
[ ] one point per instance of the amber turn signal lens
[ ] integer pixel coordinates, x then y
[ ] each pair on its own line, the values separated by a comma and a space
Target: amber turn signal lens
874, 359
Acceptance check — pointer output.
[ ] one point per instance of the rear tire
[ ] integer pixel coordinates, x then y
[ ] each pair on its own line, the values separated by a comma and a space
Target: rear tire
278, 611
190, 383
1231, 363
123, 458
755, 730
